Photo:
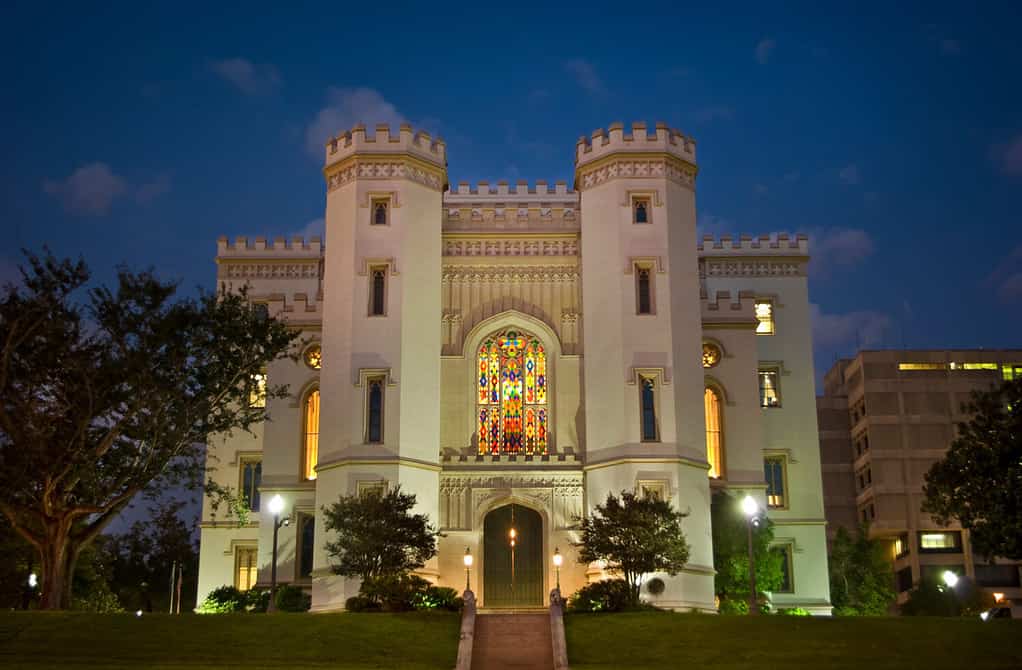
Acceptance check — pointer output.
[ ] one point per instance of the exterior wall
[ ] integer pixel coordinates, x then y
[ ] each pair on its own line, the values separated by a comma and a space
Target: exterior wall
907, 418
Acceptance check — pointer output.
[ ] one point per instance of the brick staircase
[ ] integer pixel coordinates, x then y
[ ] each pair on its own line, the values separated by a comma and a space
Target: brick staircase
512, 641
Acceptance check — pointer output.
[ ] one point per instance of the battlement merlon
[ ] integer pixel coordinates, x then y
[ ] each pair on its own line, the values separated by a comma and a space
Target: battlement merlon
780, 244
616, 140
724, 311
297, 247
505, 195
405, 141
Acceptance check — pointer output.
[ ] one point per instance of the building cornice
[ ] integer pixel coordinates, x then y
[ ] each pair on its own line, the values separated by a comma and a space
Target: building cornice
638, 165
385, 167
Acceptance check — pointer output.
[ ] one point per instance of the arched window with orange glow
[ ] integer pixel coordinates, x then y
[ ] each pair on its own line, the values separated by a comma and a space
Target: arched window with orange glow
310, 435
714, 433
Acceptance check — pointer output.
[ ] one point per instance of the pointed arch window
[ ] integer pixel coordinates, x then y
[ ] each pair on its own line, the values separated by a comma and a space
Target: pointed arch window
714, 432
310, 435
511, 395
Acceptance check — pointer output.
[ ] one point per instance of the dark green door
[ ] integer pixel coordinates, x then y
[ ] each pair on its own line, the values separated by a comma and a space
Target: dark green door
513, 575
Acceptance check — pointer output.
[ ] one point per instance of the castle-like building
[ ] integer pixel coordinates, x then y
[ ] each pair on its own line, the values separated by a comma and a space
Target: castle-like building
511, 355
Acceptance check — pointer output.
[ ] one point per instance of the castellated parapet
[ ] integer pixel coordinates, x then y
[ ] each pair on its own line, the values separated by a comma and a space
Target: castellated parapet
616, 140
405, 141
261, 247
724, 309
781, 244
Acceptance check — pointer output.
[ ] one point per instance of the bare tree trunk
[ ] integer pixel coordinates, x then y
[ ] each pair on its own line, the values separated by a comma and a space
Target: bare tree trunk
57, 557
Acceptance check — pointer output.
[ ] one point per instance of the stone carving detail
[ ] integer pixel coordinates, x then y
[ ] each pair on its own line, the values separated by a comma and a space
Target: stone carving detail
384, 170
728, 267
511, 247
308, 270
510, 273
464, 497
640, 169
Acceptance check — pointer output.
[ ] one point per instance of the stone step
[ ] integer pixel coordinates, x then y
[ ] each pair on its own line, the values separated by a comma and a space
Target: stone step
512, 642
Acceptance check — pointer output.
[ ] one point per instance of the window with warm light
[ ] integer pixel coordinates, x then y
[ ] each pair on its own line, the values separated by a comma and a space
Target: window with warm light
973, 366
921, 366
714, 432
375, 387
769, 387
765, 317
251, 476
372, 487
310, 435
313, 356
945, 542
512, 388
650, 488
257, 390
246, 567
711, 355
1011, 371
775, 470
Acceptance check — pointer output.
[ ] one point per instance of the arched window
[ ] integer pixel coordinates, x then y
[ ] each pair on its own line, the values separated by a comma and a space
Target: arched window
511, 395
714, 433
310, 435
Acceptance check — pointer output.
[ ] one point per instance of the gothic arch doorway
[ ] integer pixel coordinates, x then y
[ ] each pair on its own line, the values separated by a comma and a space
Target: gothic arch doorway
513, 557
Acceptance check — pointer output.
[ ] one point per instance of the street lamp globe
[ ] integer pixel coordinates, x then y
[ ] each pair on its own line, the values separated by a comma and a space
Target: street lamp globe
276, 505
468, 558
950, 579
749, 506
558, 559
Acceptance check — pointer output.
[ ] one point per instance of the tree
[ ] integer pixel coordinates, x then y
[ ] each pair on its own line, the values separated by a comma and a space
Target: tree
979, 480
105, 393
634, 535
861, 577
377, 535
731, 555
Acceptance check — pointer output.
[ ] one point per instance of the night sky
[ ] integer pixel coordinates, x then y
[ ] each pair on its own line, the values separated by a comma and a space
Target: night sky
892, 136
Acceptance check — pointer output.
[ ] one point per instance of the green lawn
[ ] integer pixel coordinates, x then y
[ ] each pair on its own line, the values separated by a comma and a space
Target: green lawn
253, 641
660, 640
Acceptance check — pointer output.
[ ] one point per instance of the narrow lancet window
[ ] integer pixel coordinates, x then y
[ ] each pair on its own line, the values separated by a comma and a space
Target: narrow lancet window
378, 292
310, 430
645, 297
647, 399
374, 410
714, 433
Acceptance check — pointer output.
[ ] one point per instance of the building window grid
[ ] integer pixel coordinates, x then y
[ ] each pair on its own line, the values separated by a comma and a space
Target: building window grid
375, 387
378, 290
381, 212
251, 477
650, 425
310, 435
246, 567
765, 317
940, 542
714, 432
787, 568
769, 387
644, 290
775, 470
640, 210
306, 545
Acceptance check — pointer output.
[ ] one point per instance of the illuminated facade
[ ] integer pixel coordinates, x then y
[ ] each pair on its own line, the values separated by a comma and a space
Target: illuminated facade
584, 342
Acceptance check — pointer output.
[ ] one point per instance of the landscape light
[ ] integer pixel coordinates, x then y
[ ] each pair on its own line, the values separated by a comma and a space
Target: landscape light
33, 581
950, 579
984, 615
138, 613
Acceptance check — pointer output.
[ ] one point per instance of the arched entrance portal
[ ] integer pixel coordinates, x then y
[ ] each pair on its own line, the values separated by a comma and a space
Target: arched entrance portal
513, 557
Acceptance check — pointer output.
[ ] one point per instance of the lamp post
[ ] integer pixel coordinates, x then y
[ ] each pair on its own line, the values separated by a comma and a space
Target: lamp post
751, 510
468, 567
558, 559
276, 506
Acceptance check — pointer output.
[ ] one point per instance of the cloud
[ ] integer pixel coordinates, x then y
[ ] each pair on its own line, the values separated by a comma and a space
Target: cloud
585, 76
849, 174
314, 228
951, 47
347, 107
859, 329
89, 190
1008, 156
837, 248
1011, 287
149, 191
714, 113
1006, 276
248, 77
764, 49
710, 224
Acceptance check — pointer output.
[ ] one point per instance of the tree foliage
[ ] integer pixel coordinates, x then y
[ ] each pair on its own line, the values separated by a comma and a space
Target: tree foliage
731, 554
377, 535
107, 392
861, 577
979, 480
634, 536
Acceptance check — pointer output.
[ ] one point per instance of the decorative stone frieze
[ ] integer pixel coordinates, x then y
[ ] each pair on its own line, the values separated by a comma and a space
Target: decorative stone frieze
511, 247
465, 497
379, 169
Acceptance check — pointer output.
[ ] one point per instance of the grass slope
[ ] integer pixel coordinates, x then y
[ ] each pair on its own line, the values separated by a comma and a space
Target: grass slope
295, 641
646, 640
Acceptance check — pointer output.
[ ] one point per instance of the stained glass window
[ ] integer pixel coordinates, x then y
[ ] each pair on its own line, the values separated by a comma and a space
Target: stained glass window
511, 395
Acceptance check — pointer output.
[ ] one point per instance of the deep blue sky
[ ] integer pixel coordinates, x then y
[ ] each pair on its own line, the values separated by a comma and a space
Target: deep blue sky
892, 135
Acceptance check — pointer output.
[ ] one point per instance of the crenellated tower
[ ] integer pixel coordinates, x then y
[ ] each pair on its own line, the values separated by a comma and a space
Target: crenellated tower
380, 387
641, 318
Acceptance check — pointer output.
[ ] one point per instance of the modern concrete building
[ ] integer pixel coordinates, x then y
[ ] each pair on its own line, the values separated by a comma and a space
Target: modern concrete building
885, 418
511, 355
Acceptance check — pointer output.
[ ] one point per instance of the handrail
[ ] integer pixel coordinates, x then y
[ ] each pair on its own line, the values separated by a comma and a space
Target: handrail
468, 631
557, 639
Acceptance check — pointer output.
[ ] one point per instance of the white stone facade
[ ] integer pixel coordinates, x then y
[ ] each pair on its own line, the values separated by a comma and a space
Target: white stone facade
624, 384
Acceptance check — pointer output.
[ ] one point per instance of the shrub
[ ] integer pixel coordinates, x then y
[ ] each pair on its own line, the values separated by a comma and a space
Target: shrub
656, 586
438, 597
257, 600
361, 604
794, 611
291, 598
612, 595
100, 599
227, 599
733, 606
394, 593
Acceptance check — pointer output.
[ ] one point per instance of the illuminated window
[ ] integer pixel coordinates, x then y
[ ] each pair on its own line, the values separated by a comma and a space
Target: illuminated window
765, 316
372, 486
940, 542
650, 488
257, 390
900, 547
769, 387
374, 409
246, 567
310, 433
921, 366
378, 290
643, 290
512, 383
711, 355
313, 357
647, 405
306, 534
787, 573
640, 210
973, 366
1011, 371
251, 477
714, 433
775, 471
380, 210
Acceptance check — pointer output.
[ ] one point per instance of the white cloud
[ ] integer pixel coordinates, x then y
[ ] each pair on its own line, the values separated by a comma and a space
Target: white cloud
585, 76
248, 77
832, 248
347, 107
151, 190
89, 190
764, 49
859, 329
711, 224
714, 113
314, 228
849, 174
